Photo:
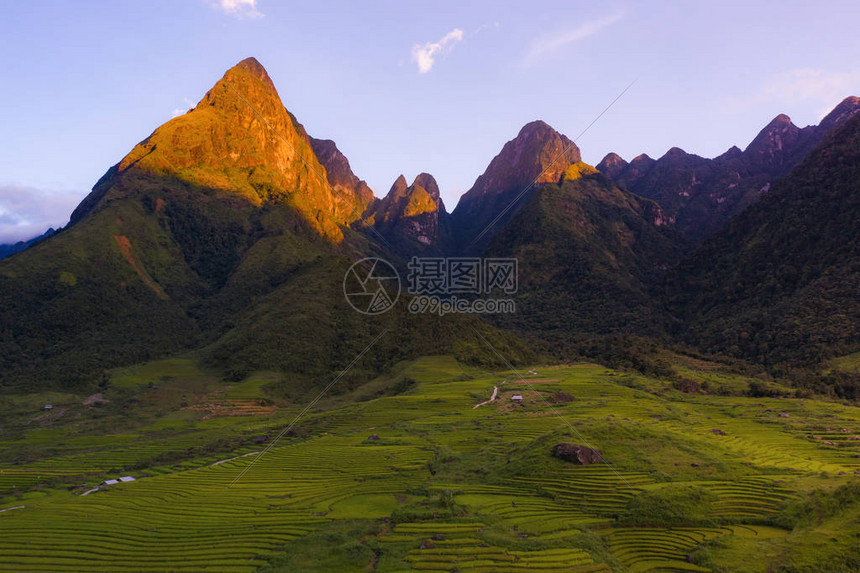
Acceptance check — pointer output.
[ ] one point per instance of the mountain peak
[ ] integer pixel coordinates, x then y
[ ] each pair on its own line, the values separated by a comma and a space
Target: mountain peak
731, 153
676, 155
841, 113
538, 154
612, 165
428, 182
535, 127
538, 135
424, 189
399, 187
253, 66
770, 145
240, 140
228, 129
410, 212
248, 78
611, 159
641, 164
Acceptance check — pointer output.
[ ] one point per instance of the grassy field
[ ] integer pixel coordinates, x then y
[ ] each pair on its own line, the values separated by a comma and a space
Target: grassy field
847, 363
404, 474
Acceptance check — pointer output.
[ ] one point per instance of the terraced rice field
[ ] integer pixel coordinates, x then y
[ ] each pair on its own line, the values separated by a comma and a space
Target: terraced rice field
659, 549
440, 486
446, 546
186, 520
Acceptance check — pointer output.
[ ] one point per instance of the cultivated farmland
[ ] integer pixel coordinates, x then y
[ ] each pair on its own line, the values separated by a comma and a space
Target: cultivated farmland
405, 474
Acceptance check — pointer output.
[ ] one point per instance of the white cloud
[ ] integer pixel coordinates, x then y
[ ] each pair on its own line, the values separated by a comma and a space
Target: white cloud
556, 41
425, 54
483, 27
27, 212
238, 8
806, 87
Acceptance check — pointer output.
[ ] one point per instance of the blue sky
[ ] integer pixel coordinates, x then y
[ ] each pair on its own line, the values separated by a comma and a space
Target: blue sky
405, 87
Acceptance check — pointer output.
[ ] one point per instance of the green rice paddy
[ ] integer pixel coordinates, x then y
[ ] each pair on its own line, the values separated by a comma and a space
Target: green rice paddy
405, 475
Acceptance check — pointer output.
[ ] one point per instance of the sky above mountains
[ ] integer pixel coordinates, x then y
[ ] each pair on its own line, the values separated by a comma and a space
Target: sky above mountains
407, 87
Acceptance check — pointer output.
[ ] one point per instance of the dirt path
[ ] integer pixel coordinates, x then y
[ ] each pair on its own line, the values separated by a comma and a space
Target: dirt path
11, 508
219, 462
492, 398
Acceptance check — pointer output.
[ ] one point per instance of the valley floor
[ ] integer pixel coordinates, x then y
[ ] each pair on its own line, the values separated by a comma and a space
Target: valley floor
406, 474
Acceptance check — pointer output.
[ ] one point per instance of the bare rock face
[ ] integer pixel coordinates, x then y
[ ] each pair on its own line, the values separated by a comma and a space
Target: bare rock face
576, 454
239, 140
414, 213
537, 155
841, 113
428, 183
353, 190
771, 147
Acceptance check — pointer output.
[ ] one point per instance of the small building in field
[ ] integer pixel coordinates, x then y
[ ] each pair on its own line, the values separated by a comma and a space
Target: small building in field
126, 478
48, 407
517, 398
110, 482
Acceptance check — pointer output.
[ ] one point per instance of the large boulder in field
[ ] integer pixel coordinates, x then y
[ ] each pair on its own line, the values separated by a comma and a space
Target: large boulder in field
561, 398
576, 454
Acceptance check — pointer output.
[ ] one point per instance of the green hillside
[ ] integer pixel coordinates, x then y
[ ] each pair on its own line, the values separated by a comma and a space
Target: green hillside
217, 233
253, 288
112, 289
588, 253
416, 477
780, 283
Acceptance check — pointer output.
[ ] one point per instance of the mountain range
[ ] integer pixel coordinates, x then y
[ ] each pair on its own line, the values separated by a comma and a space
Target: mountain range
700, 195
227, 233
10, 249
781, 282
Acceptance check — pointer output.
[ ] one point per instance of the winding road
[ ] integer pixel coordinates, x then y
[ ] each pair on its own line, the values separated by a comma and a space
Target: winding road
492, 398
